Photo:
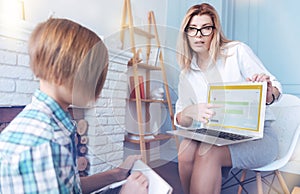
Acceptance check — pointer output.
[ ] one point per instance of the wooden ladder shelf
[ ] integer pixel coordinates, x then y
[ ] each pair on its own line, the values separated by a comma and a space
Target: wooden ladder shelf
151, 34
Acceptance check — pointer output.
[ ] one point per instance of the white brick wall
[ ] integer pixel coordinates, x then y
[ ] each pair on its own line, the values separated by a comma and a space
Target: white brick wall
17, 82
106, 120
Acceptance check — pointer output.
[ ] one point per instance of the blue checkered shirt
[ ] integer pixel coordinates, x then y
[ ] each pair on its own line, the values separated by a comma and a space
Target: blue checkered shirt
37, 151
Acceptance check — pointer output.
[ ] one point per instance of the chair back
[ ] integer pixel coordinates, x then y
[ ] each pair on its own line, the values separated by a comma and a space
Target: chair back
287, 123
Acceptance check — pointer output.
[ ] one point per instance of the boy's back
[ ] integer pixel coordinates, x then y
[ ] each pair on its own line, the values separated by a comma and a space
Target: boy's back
38, 140
37, 149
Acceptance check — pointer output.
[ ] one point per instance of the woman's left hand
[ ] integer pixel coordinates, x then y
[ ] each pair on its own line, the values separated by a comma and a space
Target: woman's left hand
264, 78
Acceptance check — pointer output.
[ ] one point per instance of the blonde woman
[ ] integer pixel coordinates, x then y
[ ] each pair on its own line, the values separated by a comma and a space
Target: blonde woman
206, 55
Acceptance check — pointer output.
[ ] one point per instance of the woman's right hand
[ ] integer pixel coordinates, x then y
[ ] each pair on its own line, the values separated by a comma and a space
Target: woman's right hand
137, 182
200, 112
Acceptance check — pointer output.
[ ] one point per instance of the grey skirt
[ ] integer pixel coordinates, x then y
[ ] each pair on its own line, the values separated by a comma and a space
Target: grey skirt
257, 153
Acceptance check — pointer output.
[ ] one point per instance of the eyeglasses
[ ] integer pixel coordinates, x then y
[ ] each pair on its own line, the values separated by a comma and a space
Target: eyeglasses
204, 31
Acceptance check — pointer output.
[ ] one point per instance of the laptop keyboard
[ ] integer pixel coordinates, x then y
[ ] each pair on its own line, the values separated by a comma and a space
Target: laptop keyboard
221, 134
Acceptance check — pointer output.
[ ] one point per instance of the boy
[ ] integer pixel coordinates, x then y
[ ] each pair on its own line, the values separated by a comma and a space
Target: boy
37, 149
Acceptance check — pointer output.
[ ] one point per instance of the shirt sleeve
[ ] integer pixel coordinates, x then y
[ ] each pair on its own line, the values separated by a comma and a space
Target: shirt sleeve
182, 100
186, 93
250, 65
186, 97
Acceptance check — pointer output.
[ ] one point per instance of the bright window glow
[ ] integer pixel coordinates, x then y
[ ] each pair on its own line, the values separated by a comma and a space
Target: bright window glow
11, 11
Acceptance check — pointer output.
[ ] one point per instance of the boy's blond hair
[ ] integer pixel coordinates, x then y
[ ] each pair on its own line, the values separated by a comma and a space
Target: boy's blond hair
65, 53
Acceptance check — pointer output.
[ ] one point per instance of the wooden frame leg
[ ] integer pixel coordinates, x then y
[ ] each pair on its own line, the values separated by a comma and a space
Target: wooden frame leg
148, 148
282, 182
259, 183
240, 189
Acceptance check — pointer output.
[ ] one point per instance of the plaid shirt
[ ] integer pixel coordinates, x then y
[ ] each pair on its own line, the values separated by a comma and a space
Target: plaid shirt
37, 151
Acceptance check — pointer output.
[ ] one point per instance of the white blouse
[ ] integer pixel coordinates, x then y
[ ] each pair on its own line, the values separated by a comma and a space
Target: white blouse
240, 63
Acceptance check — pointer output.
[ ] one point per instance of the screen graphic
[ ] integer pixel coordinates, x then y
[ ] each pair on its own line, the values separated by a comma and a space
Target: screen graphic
238, 106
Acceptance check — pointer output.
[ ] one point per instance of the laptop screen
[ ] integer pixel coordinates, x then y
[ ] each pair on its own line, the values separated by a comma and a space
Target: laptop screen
241, 106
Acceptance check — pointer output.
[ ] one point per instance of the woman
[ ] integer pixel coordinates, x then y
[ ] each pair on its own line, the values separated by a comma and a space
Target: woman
205, 56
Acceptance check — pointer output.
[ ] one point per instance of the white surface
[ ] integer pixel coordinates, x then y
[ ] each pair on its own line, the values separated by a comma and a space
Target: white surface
287, 126
157, 185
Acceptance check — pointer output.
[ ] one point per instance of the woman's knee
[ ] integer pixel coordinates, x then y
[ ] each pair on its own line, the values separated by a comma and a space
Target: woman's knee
218, 155
187, 150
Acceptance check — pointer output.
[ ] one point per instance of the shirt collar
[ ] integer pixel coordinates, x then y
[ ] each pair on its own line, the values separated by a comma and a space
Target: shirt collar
62, 118
194, 65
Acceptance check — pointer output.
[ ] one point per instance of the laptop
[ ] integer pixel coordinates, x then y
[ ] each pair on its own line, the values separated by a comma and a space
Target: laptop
239, 117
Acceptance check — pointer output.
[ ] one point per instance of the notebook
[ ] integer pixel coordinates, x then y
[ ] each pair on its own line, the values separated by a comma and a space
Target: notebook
239, 117
157, 185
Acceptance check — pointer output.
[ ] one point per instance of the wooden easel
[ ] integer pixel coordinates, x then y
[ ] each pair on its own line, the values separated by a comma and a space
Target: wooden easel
127, 14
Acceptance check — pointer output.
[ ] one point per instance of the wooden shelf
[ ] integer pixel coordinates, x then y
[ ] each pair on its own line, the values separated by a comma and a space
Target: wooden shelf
159, 137
148, 100
143, 110
147, 67
140, 32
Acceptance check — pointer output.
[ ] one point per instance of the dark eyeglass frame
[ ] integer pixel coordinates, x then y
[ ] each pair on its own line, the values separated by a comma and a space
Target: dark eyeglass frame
199, 30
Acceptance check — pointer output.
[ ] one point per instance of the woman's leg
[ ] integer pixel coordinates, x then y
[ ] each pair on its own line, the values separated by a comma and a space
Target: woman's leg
186, 154
207, 171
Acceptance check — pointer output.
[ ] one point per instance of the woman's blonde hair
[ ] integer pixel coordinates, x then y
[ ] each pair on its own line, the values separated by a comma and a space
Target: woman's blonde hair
184, 51
60, 48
